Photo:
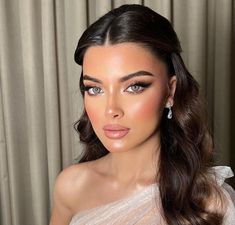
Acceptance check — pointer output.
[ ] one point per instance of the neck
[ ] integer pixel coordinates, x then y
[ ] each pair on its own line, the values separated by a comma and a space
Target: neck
137, 165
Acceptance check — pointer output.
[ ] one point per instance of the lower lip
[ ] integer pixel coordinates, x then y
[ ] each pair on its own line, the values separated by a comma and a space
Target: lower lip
115, 134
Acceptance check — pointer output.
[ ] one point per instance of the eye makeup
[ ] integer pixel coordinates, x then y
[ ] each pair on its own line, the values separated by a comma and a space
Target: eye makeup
92, 90
137, 87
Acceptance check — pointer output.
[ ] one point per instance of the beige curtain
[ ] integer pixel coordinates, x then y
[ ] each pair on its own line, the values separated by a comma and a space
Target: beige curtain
39, 94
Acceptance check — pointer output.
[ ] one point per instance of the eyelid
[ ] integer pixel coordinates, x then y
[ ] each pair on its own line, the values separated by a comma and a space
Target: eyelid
137, 80
87, 88
91, 84
143, 84
140, 83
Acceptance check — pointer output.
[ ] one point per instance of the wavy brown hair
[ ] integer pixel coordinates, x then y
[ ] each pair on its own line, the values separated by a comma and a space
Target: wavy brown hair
186, 145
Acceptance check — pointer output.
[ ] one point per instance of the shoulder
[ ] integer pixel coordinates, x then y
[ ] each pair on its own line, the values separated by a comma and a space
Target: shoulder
69, 181
71, 176
73, 184
67, 193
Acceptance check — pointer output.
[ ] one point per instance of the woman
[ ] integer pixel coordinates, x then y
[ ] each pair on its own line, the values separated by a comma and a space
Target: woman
148, 150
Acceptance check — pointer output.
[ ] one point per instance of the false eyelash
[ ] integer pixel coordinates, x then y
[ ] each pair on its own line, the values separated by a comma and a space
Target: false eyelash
86, 88
141, 84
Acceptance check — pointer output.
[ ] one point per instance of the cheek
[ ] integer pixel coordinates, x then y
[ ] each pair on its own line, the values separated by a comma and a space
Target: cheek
147, 108
93, 112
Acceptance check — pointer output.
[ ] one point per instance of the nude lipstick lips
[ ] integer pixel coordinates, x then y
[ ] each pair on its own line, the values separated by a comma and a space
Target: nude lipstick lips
114, 131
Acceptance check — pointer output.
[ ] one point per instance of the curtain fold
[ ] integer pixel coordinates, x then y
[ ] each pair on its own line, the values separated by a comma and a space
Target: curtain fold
39, 88
222, 70
232, 82
165, 8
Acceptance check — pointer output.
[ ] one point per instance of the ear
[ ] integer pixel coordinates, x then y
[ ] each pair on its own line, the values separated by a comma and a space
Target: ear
171, 87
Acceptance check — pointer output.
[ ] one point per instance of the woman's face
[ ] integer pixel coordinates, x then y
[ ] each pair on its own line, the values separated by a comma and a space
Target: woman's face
126, 90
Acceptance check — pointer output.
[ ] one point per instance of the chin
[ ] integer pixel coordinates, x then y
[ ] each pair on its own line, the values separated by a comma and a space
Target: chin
116, 148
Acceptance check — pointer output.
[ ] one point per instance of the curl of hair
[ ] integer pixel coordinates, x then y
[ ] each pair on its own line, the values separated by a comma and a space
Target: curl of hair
186, 144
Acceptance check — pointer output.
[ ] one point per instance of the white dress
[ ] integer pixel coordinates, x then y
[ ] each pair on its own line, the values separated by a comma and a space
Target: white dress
144, 207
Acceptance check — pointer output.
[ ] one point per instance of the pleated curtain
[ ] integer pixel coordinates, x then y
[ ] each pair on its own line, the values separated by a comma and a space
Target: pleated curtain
40, 98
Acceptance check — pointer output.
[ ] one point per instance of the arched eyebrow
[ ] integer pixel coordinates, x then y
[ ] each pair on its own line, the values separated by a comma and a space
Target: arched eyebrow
87, 77
122, 79
136, 74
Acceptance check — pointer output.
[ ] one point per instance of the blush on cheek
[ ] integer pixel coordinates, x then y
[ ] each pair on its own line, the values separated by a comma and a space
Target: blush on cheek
92, 114
147, 108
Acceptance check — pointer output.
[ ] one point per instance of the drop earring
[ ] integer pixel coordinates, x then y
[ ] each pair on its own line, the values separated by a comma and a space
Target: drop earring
169, 114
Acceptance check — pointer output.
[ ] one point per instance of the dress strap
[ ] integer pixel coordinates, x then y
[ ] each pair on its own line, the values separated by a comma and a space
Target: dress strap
221, 173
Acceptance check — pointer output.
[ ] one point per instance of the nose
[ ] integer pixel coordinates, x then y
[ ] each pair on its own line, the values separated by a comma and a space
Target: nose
113, 109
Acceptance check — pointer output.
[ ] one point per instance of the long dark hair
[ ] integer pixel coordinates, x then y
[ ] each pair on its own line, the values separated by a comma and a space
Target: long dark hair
186, 145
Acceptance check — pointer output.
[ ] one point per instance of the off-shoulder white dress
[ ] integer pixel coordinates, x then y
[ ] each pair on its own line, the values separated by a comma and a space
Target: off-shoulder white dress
144, 206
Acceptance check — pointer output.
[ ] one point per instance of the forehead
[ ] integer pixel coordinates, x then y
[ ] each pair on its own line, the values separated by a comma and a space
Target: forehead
120, 59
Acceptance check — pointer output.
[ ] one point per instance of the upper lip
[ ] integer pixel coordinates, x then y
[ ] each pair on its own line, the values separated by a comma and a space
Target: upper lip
114, 127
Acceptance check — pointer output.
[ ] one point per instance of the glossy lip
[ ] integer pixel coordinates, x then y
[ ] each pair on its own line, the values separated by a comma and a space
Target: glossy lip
115, 131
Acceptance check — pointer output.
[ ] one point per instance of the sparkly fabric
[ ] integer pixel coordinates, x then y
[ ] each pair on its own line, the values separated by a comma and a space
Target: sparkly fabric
144, 207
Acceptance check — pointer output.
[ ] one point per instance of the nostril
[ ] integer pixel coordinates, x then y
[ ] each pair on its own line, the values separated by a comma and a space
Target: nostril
114, 113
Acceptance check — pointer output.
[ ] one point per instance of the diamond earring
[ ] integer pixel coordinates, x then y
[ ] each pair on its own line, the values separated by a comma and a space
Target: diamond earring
169, 114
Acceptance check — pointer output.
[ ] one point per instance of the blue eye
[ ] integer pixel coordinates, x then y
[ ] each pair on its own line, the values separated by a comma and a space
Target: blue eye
134, 88
137, 87
93, 90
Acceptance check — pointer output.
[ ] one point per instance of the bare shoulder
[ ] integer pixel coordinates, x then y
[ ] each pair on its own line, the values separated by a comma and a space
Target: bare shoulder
67, 192
72, 175
70, 182
75, 182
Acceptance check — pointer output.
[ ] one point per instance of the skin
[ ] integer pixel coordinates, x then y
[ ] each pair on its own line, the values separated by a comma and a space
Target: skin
133, 159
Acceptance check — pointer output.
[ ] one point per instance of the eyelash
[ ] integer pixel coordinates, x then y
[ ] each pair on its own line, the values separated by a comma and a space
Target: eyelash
141, 85
88, 88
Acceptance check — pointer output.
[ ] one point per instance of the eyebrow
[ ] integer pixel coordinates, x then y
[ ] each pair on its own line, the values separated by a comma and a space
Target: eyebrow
122, 79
